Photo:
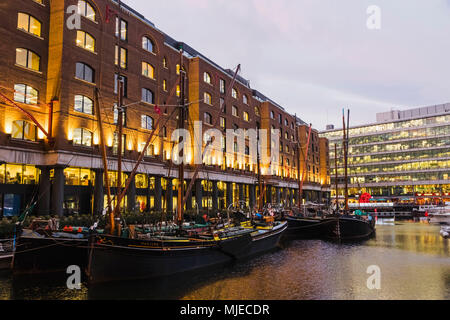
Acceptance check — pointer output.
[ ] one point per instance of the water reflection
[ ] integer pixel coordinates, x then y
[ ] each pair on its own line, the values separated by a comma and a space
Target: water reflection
414, 262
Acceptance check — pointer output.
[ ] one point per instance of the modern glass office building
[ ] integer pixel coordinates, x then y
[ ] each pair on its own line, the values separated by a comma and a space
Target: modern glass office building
403, 157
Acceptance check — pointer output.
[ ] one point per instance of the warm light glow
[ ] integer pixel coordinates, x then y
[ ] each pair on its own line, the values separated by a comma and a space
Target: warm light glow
96, 140
70, 135
130, 146
110, 141
8, 127
41, 135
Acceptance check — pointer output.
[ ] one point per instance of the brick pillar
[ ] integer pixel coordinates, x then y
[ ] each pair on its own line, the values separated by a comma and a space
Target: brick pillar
57, 200
43, 204
215, 196
199, 194
131, 195
229, 194
278, 195
169, 195
252, 195
158, 193
99, 194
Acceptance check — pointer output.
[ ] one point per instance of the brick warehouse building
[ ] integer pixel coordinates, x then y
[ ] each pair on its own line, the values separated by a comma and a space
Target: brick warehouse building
51, 72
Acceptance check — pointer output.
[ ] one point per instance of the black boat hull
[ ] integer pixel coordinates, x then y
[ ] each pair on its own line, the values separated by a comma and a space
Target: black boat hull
48, 255
304, 228
347, 228
115, 259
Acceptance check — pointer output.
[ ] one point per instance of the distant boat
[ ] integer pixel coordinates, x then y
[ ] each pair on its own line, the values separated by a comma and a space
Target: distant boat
445, 232
347, 228
385, 221
439, 215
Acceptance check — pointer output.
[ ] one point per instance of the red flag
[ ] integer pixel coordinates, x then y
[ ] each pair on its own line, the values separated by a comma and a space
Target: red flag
157, 110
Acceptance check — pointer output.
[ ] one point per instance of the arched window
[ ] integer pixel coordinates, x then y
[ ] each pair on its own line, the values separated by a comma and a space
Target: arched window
84, 72
245, 99
29, 24
208, 118
207, 98
148, 70
23, 130
86, 10
235, 111
25, 94
272, 115
165, 63
147, 44
246, 116
234, 93
207, 77
83, 104
257, 112
82, 137
28, 59
146, 122
85, 41
147, 95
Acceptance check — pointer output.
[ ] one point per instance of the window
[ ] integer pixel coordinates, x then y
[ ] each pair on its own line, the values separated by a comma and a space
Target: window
245, 99
82, 137
116, 143
246, 116
257, 112
164, 132
223, 122
286, 136
29, 24
207, 118
121, 29
124, 80
222, 86
148, 45
272, 115
222, 105
146, 122
165, 85
84, 72
84, 104
234, 93
165, 64
147, 95
85, 41
280, 118
25, 94
235, 111
28, 59
148, 70
287, 149
23, 130
86, 10
178, 90
116, 116
207, 77
178, 69
207, 98
121, 58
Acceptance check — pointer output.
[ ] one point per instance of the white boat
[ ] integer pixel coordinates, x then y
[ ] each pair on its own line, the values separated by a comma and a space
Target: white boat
440, 215
386, 221
445, 232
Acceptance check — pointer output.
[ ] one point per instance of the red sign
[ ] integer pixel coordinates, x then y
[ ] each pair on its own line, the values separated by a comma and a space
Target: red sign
365, 198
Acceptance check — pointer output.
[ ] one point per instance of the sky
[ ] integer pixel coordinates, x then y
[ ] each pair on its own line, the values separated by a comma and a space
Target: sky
316, 57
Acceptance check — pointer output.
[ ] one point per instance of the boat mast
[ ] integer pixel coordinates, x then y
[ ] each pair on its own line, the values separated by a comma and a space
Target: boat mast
103, 152
336, 177
345, 146
260, 198
302, 179
181, 125
120, 146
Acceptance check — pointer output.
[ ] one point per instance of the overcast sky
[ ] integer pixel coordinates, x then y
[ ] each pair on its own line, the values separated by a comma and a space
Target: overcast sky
315, 57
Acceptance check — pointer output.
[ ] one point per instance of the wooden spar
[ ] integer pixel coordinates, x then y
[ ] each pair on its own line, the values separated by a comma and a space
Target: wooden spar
261, 194
300, 191
103, 152
344, 142
197, 168
120, 92
336, 178
181, 125
29, 115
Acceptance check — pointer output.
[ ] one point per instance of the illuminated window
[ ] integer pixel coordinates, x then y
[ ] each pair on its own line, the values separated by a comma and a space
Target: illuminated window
146, 122
178, 91
257, 112
234, 93
208, 118
23, 130
222, 86
246, 116
29, 24
121, 57
85, 41
86, 10
124, 80
82, 137
178, 69
207, 98
165, 85
148, 70
141, 181
84, 104
84, 72
165, 64
223, 122
25, 94
28, 59
121, 29
39, 1
245, 99
235, 111
116, 143
148, 45
147, 95
207, 77
116, 115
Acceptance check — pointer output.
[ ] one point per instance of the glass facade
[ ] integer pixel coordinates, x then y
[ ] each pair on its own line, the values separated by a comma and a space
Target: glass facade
401, 158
